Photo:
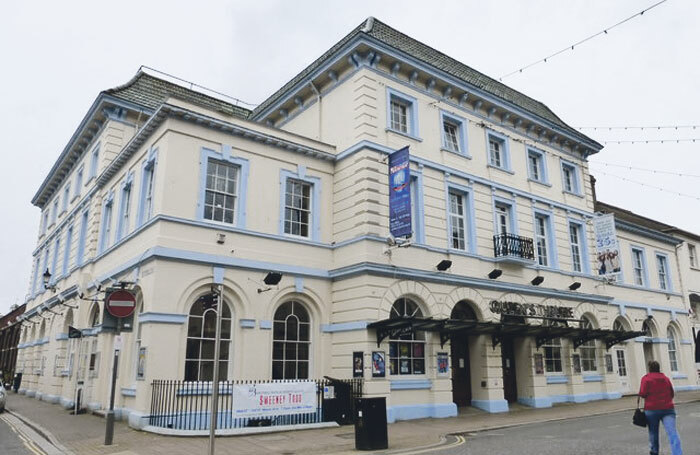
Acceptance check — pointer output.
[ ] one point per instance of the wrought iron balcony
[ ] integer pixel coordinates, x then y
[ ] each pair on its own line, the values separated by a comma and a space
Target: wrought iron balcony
513, 248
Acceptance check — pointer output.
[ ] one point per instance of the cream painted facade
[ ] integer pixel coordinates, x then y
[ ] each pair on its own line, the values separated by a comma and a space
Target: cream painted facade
330, 131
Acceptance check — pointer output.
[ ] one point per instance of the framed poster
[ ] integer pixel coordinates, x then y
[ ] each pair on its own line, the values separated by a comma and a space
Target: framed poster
378, 364
539, 364
608, 363
358, 366
141, 364
443, 368
576, 360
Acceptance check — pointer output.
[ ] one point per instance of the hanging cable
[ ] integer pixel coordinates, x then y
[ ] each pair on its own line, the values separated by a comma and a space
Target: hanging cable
571, 47
651, 141
642, 128
643, 169
650, 186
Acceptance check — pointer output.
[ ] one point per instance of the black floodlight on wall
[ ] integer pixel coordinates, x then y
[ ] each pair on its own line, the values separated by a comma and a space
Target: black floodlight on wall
444, 265
272, 278
575, 285
495, 273
46, 277
537, 280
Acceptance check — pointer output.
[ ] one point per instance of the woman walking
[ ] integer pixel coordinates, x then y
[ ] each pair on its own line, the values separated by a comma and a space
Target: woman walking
657, 391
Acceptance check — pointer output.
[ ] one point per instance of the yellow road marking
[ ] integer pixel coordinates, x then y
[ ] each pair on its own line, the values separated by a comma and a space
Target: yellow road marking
28, 443
459, 441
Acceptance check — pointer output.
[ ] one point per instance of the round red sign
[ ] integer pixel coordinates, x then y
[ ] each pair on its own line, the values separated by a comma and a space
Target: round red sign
121, 303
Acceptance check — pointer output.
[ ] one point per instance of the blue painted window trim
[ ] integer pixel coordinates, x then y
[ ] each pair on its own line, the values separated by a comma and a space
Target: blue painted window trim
469, 213
418, 209
54, 212
557, 379
669, 281
67, 248
592, 378
35, 280
56, 253
315, 182
78, 181
94, 161
124, 203
583, 245
544, 173
511, 206
412, 114
66, 197
576, 170
241, 192
645, 266
461, 125
148, 173
410, 384
505, 152
45, 220
107, 220
85, 220
552, 256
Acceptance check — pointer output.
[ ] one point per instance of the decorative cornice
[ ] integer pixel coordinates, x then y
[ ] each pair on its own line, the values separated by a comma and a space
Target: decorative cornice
646, 232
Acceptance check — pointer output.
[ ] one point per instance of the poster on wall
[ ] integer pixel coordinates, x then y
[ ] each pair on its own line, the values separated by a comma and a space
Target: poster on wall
607, 247
274, 398
608, 363
400, 194
358, 366
443, 368
576, 360
141, 364
378, 364
539, 364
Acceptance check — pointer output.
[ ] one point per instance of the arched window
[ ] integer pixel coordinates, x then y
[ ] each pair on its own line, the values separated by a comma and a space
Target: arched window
588, 350
407, 351
201, 338
95, 316
672, 351
291, 339
618, 325
646, 328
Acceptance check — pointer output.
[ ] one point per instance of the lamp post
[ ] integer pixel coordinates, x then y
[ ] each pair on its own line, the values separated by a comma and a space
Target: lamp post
215, 379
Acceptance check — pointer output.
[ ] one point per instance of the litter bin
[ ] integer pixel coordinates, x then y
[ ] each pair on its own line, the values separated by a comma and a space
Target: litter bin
17, 382
370, 424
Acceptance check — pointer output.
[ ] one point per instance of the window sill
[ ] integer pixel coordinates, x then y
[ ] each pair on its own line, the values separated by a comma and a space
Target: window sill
557, 380
456, 152
572, 193
679, 376
89, 180
410, 384
408, 135
76, 196
592, 377
539, 182
502, 169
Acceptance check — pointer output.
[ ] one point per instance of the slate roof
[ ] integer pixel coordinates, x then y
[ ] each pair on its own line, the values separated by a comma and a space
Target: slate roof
150, 92
426, 54
639, 220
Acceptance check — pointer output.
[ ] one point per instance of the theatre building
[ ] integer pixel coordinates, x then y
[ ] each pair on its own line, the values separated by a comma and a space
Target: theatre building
494, 298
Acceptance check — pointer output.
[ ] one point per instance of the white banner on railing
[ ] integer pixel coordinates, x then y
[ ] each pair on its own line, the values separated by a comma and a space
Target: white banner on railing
274, 398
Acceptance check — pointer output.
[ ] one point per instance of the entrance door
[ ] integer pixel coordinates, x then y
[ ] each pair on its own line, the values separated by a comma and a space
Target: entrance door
510, 386
461, 378
648, 354
623, 378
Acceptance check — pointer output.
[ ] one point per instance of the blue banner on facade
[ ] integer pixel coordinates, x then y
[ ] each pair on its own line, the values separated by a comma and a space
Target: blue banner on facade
400, 194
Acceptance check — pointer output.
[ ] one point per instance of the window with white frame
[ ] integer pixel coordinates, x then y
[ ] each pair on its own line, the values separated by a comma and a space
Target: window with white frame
416, 210
692, 255
552, 356
575, 239
78, 182
147, 191
297, 207
498, 152
621, 362
82, 240
453, 133
458, 220
54, 211
95, 161
638, 266
502, 218
662, 269
569, 175
66, 196
588, 349
536, 166
106, 225
124, 211
672, 349
221, 193
541, 239
201, 340
291, 343
45, 221
37, 272
66, 252
407, 351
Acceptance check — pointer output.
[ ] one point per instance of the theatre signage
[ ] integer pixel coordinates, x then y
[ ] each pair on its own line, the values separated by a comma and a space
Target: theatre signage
531, 310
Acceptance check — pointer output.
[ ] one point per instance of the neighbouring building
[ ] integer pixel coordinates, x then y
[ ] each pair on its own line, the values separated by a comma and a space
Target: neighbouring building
10, 330
494, 299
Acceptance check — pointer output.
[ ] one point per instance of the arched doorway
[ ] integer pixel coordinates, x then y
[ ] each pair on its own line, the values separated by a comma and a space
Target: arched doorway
620, 358
461, 371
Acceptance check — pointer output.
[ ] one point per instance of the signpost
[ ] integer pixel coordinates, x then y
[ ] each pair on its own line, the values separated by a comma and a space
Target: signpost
120, 303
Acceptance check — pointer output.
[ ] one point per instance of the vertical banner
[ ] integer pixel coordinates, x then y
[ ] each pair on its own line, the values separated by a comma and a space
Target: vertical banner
607, 247
358, 367
400, 194
443, 368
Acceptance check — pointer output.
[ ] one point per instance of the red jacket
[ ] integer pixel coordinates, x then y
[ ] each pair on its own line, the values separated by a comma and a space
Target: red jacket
657, 391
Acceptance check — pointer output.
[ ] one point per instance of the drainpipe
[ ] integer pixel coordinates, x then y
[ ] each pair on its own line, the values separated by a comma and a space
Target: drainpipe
320, 110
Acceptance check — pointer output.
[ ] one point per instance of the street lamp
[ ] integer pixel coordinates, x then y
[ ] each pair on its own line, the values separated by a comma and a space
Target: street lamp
47, 281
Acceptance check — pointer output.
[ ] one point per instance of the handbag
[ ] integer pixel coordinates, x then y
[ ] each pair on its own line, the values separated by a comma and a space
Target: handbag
639, 418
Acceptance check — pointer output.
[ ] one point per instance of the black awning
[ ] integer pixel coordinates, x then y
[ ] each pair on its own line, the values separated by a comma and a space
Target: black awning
447, 328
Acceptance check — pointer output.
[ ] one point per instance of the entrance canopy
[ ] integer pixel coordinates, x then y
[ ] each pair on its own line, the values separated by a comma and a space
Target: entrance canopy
447, 328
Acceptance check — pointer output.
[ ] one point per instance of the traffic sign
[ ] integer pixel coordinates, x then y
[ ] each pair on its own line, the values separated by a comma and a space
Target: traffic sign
120, 303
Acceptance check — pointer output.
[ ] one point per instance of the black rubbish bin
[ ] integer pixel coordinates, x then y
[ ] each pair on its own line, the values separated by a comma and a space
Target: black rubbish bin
370, 424
17, 382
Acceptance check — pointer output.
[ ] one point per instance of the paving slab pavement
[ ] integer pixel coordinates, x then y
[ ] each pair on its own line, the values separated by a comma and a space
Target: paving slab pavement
84, 434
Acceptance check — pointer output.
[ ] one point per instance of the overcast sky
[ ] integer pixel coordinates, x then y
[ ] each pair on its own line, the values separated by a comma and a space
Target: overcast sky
57, 56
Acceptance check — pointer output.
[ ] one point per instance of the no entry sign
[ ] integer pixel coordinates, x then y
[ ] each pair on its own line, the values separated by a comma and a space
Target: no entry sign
120, 303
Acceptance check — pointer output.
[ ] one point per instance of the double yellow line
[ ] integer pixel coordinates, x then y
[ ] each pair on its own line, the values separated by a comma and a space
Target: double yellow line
29, 444
459, 440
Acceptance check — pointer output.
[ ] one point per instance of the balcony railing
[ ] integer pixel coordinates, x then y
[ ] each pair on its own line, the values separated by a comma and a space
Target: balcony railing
513, 246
